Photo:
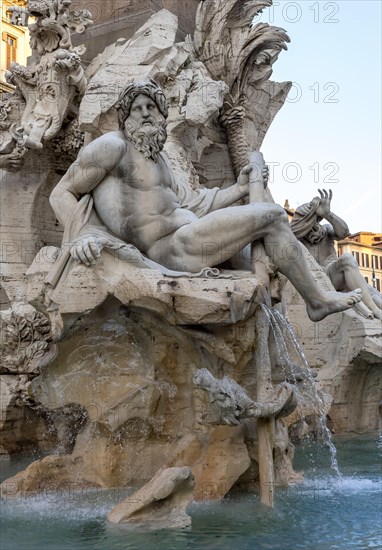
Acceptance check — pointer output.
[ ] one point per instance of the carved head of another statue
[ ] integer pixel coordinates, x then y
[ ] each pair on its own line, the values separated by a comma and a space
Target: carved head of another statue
306, 222
316, 234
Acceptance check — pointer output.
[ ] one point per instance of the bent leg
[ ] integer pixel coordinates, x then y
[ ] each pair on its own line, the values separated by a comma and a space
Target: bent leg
219, 235
347, 268
216, 237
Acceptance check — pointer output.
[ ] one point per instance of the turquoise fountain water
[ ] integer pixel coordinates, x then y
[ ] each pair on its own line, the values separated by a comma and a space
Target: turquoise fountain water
324, 512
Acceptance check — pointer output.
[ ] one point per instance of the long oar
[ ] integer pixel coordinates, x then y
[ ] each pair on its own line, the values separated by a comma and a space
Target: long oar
265, 426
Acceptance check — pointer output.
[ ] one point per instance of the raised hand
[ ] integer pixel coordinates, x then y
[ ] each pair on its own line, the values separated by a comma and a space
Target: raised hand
324, 208
244, 176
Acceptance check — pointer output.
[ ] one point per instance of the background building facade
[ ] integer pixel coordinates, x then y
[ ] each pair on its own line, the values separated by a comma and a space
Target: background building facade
14, 39
366, 248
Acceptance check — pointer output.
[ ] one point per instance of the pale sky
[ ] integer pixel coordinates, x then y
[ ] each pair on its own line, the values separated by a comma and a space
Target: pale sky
329, 130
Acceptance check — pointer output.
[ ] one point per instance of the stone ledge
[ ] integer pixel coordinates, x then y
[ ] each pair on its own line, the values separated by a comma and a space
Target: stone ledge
182, 301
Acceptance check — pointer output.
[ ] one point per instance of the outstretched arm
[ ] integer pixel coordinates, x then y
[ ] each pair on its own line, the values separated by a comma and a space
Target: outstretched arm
339, 229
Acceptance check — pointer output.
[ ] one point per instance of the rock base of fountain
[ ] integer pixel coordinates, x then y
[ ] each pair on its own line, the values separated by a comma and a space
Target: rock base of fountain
126, 363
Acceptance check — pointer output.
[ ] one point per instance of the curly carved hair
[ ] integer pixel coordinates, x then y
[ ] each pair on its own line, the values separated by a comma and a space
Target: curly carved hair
149, 88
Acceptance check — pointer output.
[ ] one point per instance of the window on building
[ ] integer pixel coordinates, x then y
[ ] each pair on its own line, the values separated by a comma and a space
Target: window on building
11, 49
367, 280
365, 260
378, 283
356, 256
380, 262
374, 261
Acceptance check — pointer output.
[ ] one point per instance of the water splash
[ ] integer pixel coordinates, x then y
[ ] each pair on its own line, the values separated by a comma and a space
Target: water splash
280, 325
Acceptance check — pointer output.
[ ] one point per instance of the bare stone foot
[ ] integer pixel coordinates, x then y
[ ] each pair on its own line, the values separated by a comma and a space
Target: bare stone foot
333, 302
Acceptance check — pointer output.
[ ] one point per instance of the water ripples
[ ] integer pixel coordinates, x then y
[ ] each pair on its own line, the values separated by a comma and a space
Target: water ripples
322, 513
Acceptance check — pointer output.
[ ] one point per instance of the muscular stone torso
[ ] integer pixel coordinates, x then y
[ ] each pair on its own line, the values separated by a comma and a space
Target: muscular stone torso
136, 202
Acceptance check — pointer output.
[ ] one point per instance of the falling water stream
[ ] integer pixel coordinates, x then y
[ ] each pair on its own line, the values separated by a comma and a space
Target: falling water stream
280, 325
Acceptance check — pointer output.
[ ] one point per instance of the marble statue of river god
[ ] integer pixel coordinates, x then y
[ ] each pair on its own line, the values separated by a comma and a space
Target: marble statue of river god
136, 200
319, 239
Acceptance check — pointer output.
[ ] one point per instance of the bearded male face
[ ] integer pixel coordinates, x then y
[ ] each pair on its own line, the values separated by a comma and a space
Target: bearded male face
145, 127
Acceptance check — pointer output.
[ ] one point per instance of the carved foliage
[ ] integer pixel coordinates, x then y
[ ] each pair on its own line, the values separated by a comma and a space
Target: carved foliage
232, 49
241, 54
26, 338
69, 142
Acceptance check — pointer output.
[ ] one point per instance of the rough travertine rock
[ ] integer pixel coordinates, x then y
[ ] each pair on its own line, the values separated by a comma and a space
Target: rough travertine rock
161, 504
156, 35
52, 473
181, 300
224, 461
131, 371
21, 427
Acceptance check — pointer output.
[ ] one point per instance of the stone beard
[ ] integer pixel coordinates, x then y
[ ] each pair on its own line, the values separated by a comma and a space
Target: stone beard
147, 140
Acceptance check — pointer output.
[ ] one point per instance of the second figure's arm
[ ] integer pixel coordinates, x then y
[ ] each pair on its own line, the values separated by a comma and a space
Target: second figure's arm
339, 229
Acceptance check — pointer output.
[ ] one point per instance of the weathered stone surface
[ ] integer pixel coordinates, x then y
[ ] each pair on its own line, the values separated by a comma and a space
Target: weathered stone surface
284, 474
51, 473
155, 36
284, 455
21, 427
181, 300
130, 433
27, 221
224, 461
120, 19
161, 504
138, 351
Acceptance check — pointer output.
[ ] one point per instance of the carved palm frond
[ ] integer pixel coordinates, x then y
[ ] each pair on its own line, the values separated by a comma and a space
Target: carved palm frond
241, 54
231, 48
